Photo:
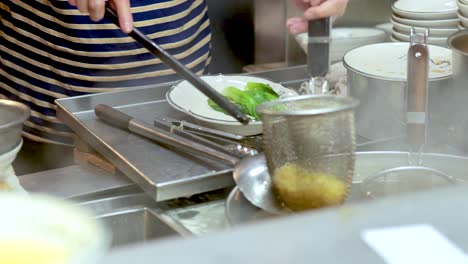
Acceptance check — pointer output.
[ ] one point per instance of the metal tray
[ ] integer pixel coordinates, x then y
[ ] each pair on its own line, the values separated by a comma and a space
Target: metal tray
161, 172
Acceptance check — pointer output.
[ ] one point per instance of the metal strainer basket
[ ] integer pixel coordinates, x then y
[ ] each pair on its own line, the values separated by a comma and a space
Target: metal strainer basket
310, 149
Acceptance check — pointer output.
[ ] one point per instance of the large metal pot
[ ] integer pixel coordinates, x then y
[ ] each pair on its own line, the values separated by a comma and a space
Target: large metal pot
377, 77
458, 103
12, 117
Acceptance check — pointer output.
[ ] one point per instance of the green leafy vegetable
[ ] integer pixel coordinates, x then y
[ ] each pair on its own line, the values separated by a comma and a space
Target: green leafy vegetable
248, 99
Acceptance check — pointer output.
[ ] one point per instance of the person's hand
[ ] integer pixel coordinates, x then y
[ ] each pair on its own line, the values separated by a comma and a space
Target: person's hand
96, 8
315, 9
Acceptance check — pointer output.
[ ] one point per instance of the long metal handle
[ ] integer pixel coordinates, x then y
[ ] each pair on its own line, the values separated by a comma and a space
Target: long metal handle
318, 51
111, 115
418, 71
179, 68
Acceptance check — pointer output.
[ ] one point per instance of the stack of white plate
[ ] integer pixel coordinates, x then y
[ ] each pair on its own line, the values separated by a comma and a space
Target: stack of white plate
439, 16
462, 14
345, 39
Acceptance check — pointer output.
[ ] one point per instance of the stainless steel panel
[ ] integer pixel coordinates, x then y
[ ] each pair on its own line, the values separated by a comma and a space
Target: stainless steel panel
161, 172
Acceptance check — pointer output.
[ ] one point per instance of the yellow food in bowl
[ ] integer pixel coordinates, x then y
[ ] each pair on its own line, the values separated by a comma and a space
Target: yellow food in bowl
32, 252
301, 189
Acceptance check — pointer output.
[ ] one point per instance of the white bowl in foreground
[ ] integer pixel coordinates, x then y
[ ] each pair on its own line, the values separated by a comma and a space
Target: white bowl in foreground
44, 230
186, 98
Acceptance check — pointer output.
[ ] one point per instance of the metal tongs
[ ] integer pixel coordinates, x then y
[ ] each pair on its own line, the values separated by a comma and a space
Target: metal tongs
179, 68
318, 57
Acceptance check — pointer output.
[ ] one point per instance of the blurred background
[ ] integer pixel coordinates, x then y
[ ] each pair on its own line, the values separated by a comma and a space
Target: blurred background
250, 34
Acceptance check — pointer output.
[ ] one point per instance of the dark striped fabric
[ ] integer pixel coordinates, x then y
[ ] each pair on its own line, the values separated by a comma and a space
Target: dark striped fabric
49, 50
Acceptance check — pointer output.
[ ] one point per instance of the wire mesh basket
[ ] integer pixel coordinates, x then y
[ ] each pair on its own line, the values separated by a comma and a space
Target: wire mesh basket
309, 144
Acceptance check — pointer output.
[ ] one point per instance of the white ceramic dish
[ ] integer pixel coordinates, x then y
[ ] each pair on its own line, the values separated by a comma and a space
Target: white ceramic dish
388, 61
463, 19
461, 26
345, 39
438, 23
432, 40
46, 227
427, 9
463, 8
187, 99
436, 32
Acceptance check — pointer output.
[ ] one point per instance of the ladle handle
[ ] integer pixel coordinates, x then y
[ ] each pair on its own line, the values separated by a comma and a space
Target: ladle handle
119, 119
179, 68
418, 70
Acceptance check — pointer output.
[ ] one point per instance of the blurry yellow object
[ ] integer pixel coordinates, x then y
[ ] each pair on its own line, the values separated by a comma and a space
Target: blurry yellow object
32, 252
300, 189
4, 186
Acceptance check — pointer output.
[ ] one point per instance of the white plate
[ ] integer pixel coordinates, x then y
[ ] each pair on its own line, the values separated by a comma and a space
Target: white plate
187, 99
436, 32
62, 228
463, 8
439, 23
388, 61
427, 9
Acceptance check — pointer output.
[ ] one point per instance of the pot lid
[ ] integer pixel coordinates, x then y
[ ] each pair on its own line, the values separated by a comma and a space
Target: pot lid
389, 61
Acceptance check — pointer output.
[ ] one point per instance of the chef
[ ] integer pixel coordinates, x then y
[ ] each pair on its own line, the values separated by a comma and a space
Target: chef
54, 49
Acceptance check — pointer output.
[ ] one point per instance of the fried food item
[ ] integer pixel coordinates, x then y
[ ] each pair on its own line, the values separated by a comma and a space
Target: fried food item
301, 189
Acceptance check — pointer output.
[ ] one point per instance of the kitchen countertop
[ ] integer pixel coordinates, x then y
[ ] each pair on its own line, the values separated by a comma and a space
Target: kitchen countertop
325, 236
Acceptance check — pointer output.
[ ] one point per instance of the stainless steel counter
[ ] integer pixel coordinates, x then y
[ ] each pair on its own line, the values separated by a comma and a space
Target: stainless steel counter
326, 236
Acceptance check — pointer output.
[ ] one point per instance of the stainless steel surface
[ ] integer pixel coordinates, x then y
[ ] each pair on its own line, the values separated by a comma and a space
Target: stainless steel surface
313, 138
166, 174
459, 95
317, 236
75, 181
382, 111
133, 218
270, 30
318, 55
12, 117
253, 179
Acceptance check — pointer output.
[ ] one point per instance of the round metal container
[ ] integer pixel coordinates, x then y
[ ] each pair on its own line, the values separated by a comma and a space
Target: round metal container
382, 111
458, 42
12, 117
240, 211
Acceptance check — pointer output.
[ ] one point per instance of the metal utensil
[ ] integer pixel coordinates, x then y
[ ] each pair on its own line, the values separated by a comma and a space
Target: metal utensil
310, 149
318, 55
237, 150
179, 68
205, 130
250, 174
122, 120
